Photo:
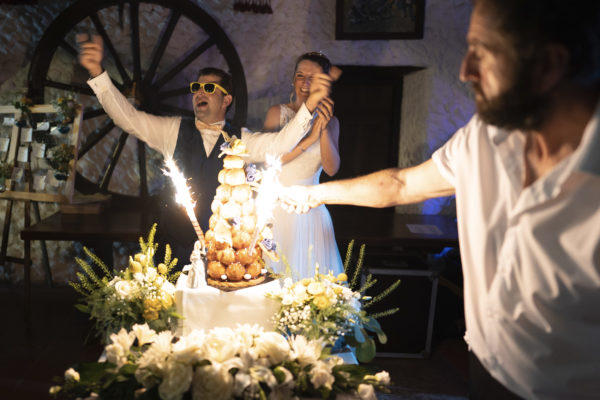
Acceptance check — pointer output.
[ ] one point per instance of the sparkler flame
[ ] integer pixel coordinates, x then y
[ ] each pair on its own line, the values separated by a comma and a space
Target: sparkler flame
268, 193
182, 195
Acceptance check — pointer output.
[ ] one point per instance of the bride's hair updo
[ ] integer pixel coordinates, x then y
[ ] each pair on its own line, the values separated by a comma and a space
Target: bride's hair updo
316, 57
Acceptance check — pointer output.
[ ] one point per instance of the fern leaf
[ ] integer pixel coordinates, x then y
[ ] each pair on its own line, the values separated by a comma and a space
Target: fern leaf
87, 268
383, 294
385, 313
85, 282
167, 256
368, 283
348, 255
151, 234
359, 264
96, 260
78, 288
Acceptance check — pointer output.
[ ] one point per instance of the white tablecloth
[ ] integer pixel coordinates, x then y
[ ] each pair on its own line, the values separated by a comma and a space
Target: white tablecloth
208, 307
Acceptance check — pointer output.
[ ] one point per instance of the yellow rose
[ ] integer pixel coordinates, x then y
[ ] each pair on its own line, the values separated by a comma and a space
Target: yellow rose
337, 289
154, 304
141, 258
342, 277
305, 281
134, 266
167, 300
150, 314
321, 301
162, 269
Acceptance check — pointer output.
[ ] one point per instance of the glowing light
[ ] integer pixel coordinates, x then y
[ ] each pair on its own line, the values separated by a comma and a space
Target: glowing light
267, 195
183, 196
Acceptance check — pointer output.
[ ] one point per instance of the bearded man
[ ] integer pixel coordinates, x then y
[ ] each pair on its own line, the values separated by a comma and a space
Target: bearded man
526, 174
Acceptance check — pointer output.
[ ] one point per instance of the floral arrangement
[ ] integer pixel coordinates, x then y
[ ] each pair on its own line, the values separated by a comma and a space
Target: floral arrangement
60, 159
24, 104
142, 293
223, 363
66, 108
327, 307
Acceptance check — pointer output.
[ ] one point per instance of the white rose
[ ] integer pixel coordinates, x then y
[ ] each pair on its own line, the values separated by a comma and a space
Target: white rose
221, 344
288, 282
138, 276
116, 354
123, 338
189, 349
315, 288
177, 379
54, 390
273, 346
305, 351
123, 289
320, 375
151, 274
143, 333
71, 375
366, 392
168, 287
211, 382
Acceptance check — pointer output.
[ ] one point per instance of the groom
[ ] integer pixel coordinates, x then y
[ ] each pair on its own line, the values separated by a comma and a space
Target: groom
194, 143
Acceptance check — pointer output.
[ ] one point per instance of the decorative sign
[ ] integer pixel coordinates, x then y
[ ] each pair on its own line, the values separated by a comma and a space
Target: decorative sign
4, 141
26, 135
50, 154
23, 154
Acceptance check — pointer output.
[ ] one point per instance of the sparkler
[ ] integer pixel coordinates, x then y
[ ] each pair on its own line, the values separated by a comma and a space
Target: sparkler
182, 195
268, 193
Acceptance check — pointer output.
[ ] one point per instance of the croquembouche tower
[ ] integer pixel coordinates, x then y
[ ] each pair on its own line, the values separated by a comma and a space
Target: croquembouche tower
235, 244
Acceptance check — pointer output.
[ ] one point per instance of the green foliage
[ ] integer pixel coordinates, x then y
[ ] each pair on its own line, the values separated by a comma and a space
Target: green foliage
359, 337
139, 293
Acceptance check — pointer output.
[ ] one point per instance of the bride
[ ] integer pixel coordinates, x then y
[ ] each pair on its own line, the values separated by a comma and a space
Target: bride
307, 239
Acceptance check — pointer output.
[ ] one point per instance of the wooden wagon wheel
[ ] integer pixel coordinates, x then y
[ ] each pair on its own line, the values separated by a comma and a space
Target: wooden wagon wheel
182, 38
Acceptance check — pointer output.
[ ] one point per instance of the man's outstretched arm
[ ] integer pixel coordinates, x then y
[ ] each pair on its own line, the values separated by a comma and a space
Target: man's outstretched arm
385, 188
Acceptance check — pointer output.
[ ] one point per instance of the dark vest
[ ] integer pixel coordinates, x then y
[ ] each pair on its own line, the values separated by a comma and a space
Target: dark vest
174, 226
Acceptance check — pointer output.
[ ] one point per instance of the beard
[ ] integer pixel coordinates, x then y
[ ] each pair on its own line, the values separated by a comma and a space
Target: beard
518, 107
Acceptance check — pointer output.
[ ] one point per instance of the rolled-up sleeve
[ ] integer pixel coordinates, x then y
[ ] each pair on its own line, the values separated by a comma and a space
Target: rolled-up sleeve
276, 143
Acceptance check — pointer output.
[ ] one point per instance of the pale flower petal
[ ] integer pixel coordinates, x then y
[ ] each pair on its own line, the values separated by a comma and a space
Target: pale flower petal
177, 379
143, 333
72, 375
366, 392
273, 346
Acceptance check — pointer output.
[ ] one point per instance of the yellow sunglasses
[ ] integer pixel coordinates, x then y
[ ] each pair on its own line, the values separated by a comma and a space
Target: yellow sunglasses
207, 87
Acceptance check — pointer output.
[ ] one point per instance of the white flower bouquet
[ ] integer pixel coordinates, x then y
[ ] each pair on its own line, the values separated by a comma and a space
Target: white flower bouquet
223, 363
325, 307
141, 293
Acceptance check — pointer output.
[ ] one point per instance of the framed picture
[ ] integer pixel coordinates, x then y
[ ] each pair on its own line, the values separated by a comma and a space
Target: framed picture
379, 19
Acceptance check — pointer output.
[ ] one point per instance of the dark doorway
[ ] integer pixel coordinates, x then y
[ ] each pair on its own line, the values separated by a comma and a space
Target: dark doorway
368, 105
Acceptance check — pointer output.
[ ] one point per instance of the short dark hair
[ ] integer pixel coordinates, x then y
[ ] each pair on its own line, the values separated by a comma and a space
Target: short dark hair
316, 57
531, 24
226, 80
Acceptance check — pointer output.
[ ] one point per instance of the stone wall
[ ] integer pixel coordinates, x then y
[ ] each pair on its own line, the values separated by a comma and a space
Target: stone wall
434, 105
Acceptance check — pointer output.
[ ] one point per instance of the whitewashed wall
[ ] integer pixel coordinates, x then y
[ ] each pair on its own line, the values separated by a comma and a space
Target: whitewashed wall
434, 105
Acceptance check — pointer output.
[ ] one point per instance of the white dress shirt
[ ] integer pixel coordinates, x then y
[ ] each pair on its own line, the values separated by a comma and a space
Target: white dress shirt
531, 260
160, 133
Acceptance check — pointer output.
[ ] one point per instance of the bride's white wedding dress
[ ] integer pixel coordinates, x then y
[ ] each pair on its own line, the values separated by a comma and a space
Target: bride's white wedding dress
295, 234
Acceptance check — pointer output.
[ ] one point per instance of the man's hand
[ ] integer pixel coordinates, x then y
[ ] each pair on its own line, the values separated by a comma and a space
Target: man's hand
298, 199
90, 53
320, 87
